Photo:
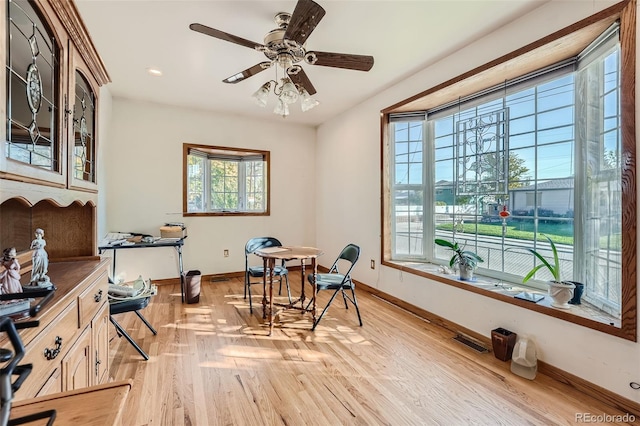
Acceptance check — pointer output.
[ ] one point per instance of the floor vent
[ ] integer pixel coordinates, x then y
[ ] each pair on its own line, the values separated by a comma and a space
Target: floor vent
470, 343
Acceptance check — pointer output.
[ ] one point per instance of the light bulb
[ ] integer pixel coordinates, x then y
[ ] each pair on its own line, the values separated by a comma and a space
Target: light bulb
307, 101
262, 94
281, 109
288, 93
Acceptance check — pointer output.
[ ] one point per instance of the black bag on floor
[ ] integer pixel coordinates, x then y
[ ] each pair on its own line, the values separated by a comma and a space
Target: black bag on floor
192, 286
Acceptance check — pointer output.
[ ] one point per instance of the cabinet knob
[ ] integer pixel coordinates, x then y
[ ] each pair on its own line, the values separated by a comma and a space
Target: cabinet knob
98, 296
53, 353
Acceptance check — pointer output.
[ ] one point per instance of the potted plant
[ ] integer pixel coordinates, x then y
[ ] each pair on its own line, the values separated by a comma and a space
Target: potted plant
559, 291
465, 260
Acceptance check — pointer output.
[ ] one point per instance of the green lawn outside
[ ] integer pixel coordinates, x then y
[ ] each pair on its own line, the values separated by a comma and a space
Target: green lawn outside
559, 233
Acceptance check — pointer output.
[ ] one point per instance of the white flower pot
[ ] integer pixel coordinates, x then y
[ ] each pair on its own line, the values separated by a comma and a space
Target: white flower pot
466, 273
560, 294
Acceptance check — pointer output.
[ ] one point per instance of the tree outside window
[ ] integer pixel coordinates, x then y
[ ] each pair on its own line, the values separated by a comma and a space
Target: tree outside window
225, 181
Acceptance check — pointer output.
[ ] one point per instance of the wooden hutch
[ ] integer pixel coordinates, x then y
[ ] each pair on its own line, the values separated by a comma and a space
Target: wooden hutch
50, 78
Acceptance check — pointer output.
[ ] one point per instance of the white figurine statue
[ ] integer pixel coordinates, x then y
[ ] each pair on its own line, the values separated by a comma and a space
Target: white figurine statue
10, 277
40, 260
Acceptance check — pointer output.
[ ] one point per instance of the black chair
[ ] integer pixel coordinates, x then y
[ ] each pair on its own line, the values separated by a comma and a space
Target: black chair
134, 305
258, 271
338, 282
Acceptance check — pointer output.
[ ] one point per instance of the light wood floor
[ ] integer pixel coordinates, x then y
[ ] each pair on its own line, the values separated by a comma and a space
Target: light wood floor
213, 364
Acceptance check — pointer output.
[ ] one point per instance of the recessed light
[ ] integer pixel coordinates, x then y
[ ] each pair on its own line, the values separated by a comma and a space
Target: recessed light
155, 72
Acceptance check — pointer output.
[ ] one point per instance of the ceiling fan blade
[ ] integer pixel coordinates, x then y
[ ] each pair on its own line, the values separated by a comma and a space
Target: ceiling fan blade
224, 36
243, 75
301, 79
303, 20
340, 60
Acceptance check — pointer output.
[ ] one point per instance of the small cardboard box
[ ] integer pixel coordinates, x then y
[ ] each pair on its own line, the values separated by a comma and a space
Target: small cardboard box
173, 232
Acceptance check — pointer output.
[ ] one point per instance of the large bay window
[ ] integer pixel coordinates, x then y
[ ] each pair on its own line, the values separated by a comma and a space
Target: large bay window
225, 181
539, 154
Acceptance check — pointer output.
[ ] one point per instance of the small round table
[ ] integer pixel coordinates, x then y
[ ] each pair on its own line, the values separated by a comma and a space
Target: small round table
269, 256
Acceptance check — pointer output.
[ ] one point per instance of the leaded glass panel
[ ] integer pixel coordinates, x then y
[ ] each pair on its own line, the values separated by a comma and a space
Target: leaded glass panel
84, 131
32, 68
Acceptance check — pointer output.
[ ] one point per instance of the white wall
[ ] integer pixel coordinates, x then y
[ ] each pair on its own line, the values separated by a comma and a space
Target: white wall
348, 210
143, 187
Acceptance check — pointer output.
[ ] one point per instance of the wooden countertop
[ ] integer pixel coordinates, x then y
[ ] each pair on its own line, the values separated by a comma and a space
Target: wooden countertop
93, 406
70, 278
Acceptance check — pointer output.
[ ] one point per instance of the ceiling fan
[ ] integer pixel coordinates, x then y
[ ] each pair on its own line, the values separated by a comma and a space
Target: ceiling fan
285, 47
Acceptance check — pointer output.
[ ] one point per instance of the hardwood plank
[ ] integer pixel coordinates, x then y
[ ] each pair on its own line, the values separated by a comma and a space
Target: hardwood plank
213, 363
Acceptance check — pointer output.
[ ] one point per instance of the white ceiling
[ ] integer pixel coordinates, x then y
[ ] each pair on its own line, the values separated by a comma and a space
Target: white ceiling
402, 36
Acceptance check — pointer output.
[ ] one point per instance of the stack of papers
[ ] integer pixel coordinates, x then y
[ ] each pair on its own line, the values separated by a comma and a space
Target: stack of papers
115, 238
9, 307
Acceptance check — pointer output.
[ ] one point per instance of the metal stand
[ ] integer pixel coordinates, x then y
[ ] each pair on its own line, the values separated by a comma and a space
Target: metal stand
177, 244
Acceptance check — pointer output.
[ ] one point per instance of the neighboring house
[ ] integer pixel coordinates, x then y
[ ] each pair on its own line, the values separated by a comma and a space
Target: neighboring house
554, 197
444, 192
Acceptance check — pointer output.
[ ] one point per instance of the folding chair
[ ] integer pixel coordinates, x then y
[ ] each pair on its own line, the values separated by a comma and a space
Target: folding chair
338, 282
258, 271
134, 305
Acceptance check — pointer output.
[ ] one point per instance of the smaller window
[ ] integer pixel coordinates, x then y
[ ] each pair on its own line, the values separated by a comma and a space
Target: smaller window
225, 181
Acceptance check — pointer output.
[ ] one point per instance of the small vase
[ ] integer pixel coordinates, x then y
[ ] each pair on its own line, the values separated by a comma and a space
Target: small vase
560, 294
577, 293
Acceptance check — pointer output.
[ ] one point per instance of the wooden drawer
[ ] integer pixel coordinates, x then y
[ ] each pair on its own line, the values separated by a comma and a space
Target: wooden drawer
64, 327
92, 298
53, 383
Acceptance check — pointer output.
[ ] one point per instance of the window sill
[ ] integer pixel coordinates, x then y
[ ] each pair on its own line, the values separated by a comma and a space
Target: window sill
225, 213
584, 314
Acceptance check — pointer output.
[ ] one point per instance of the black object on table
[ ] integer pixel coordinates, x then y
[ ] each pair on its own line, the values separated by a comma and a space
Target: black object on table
176, 243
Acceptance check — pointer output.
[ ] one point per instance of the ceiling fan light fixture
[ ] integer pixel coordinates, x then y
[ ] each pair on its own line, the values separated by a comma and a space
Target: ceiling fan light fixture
261, 95
285, 48
307, 102
288, 92
281, 109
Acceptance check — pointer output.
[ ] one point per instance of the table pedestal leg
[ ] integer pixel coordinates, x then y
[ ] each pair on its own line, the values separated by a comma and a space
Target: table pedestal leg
315, 288
302, 297
264, 288
272, 264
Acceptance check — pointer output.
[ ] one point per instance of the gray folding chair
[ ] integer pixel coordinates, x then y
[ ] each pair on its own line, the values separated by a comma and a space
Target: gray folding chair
338, 282
258, 271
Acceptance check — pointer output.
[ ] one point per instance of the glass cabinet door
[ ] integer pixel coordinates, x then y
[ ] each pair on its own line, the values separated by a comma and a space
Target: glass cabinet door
82, 136
32, 136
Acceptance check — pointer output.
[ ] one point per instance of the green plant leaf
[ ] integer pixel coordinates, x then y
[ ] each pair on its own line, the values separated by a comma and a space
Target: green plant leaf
532, 273
472, 255
553, 269
459, 256
555, 259
444, 243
